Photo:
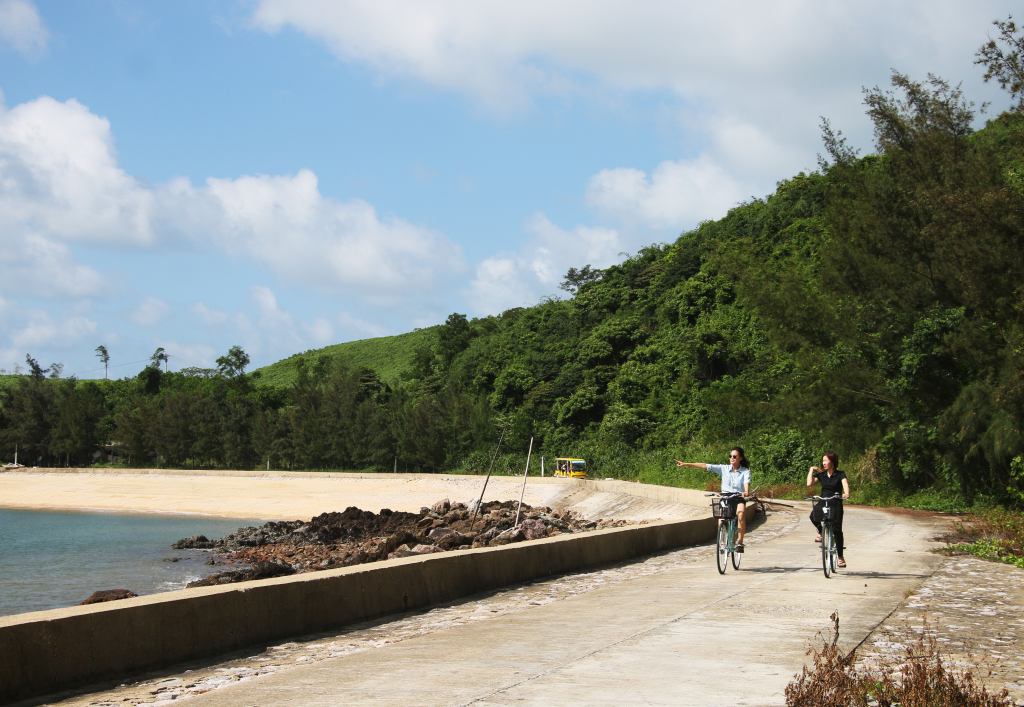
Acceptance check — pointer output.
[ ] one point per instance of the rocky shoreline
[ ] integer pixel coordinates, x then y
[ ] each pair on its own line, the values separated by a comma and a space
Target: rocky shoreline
353, 537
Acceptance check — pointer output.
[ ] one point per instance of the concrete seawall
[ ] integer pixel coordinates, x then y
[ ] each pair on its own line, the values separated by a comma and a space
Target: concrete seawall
45, 652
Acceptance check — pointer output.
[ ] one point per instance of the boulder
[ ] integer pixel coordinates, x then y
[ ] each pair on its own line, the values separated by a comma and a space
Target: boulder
486, 537
109, 595
426, 550
195, 542
264, 570
533, 529
453, 540
512, 535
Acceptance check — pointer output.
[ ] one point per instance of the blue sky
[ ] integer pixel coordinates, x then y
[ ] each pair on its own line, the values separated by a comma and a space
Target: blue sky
287, 174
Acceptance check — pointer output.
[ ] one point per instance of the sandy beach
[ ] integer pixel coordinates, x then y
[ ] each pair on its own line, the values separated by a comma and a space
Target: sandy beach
284, 496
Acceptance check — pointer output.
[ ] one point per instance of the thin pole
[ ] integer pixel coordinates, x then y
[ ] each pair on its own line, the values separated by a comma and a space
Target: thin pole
526, 472
481, 500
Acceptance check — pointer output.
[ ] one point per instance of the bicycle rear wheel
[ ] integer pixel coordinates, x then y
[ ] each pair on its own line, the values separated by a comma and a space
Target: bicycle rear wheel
723, 547
826, 550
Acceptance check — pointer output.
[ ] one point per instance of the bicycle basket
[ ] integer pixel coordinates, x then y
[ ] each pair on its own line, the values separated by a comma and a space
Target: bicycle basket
723, 509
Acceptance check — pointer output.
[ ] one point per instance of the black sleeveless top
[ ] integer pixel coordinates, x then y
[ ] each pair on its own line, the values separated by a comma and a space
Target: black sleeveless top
830, 486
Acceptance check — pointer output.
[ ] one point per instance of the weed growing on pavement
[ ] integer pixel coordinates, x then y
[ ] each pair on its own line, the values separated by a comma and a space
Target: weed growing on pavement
918, 677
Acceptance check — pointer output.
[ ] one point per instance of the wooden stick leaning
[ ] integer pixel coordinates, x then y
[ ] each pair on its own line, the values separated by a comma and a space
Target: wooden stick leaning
491, 468
526, 472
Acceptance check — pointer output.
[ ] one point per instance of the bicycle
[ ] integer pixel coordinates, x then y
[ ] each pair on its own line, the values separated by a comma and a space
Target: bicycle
829, 551
725, 547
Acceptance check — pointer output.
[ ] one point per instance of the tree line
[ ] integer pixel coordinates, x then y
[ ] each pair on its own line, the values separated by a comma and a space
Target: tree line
331, 417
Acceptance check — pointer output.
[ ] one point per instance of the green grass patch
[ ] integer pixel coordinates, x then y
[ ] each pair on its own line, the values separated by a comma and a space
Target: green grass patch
388, 356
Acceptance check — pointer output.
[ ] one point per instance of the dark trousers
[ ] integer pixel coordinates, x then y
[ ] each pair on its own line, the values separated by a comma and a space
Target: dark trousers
836, 510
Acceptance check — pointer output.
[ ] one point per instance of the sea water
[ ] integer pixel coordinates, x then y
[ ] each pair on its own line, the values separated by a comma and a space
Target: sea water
51, 560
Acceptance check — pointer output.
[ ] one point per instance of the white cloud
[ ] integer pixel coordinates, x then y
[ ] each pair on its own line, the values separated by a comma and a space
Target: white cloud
503, 281
266, 329
677, 195
501, 53
60, 177
36, 330
61, 182
285, 223
21, 28
43, 268
749, 80
150, 312
197, 355
209, 316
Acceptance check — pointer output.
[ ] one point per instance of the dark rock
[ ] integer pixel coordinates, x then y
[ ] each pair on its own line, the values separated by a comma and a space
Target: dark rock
195, 542
109, 595
487, 536
264, 570
454, 540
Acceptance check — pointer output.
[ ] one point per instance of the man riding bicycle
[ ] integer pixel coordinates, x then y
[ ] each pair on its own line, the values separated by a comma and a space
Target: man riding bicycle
735, 479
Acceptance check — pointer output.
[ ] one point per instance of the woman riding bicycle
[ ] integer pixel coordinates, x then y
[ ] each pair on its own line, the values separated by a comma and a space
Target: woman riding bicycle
833, 481
735, 479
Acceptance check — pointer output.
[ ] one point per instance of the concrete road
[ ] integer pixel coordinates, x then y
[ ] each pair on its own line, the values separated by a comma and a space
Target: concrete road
686, 636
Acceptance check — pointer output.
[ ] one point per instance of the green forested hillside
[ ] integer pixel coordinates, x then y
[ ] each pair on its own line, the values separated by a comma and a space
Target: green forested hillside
389, 356
872, 307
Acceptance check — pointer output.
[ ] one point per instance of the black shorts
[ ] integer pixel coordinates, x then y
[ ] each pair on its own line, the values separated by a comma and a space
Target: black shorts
738, 504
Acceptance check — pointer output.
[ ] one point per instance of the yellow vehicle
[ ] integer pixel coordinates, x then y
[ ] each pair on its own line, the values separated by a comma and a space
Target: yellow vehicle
575, 468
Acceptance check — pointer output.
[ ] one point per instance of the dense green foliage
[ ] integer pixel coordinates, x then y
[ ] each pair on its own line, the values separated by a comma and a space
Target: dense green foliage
872, 307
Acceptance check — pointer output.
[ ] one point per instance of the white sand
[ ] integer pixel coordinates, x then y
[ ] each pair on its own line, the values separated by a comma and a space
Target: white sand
299, 497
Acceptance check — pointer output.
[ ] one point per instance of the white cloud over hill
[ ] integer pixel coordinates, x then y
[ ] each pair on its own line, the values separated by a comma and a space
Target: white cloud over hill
61, 184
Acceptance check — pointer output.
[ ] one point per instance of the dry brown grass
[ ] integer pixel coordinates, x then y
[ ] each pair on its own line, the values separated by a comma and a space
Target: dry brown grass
919, 677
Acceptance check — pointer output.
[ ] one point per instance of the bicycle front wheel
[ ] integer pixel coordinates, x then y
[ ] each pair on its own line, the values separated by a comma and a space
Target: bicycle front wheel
723, 547
826, 550
736, 556
833, 552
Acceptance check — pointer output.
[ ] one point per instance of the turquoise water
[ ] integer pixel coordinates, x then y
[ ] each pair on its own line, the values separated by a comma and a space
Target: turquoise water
52, 560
